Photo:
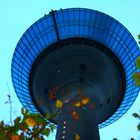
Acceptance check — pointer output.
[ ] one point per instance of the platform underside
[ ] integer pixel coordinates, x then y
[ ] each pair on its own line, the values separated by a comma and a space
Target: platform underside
75, 67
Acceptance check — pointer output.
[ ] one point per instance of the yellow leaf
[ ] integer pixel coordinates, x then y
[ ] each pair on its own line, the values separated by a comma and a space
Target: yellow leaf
48, 115
75, 115
77, 104
30, 122
85, 101
59, 104
77, 137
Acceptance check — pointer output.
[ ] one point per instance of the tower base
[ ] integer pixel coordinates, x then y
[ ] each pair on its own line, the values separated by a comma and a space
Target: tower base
84, 127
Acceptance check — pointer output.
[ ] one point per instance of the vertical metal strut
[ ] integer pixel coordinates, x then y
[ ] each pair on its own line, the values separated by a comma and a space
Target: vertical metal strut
55, 26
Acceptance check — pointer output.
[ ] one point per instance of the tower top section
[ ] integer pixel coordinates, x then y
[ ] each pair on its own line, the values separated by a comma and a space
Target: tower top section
65, 24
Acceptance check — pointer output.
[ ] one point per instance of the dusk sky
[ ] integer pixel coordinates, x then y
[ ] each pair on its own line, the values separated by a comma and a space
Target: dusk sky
16, 16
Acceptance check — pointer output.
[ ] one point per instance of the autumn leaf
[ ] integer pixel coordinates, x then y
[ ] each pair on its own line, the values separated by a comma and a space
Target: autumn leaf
17, 120
68, 100
23, 126
48, 115
52, 96
77, 104
54, 114
75, 115
30, 122
85, 101
59, 103
137, 81
136, 75
15, 137
77, 137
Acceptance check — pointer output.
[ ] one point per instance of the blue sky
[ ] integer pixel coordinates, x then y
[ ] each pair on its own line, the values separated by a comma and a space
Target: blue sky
16, 16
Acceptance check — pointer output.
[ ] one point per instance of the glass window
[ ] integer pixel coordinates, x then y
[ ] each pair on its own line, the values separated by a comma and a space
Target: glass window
113, 26
98, 19
49, 20
35, 29
59, 17
28, 37
82, 15
71, 16
117, 29
76, 15
66, 16
39, 25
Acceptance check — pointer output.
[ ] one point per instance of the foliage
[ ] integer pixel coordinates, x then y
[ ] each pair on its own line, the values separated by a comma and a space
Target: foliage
28, 126
35, 126
136, 77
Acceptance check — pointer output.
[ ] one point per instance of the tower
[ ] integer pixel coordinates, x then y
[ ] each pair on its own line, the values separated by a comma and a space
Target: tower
72, 55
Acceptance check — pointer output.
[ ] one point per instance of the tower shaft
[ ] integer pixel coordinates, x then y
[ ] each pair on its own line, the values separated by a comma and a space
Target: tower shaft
85, 127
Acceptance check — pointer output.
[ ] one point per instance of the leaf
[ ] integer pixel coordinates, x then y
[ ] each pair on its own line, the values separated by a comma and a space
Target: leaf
17, 120
22, 110
15, 137
77, 104
48, 115
138, 126
8, 127
85, 100
136, 115
138, 62
52, 96
77, 137
45, 132
35, 131
52, 127
136, 75
59, 103
75, 115
26, 112
139, 36
30, 122
54, 114
23, 126
2, 123
137, 81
